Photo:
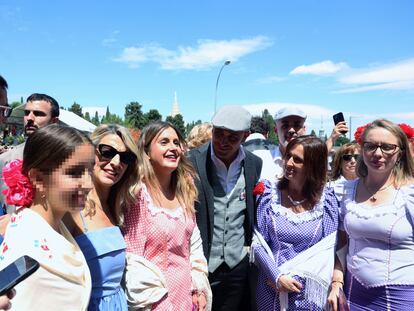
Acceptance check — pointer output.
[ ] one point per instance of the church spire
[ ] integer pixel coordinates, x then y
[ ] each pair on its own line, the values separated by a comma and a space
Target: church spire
175, 109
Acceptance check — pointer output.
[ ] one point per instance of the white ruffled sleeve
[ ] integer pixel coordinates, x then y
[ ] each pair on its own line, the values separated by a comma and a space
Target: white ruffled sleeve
199, 267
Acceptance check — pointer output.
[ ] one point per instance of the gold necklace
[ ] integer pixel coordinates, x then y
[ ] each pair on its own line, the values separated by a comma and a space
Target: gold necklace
372, 198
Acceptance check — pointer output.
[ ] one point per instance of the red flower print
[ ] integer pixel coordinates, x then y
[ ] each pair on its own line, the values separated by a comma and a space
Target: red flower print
259, 188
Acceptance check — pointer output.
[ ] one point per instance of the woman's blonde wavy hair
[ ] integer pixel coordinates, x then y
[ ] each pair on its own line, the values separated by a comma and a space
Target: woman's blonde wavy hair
182, 178
123, 193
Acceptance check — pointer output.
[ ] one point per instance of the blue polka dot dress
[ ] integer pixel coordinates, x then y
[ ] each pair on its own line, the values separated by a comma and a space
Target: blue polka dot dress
287, 235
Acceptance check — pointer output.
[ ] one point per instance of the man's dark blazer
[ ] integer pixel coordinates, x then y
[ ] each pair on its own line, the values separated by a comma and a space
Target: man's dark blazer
201, 160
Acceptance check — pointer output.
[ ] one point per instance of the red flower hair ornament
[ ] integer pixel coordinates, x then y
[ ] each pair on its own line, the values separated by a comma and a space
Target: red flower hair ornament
259, 188
408, 130
20, 190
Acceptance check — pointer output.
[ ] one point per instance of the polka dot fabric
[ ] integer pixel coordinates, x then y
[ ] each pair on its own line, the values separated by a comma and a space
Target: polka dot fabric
287, 235
164, 239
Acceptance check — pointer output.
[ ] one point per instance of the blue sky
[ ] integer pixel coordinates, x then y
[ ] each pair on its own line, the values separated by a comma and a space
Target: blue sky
325, 56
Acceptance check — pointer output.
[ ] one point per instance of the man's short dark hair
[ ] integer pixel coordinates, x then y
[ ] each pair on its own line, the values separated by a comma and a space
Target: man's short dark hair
259, 125
46, 98
3, 83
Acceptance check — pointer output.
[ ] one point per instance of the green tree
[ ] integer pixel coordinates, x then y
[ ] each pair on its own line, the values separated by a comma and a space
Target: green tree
178, 122
15, 104
313, 133
76, 109
134, 116
272, 125
95, 119
151, 116
341, 140
87, 117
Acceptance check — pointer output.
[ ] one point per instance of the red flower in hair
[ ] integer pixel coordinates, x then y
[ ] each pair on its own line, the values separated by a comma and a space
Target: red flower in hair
408, 130
259, 188
358, 133
20, 190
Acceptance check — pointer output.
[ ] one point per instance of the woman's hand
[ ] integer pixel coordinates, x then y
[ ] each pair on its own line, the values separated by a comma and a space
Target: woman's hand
199, 300
333, 295
288, 284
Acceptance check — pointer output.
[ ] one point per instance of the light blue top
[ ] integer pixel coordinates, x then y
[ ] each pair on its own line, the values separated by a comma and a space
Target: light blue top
381, 239
104, 250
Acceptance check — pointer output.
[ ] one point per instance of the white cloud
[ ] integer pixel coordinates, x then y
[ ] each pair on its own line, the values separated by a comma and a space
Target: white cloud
205, 54
398, 76
111, 39
325, 67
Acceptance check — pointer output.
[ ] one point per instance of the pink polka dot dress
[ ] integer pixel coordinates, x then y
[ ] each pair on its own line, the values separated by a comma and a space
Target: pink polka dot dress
163, 236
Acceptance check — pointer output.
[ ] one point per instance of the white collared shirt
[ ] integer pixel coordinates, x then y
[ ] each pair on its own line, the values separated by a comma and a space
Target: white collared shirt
228, 177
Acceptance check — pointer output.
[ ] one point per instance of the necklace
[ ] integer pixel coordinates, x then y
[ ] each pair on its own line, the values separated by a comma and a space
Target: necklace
373, 198
294, 202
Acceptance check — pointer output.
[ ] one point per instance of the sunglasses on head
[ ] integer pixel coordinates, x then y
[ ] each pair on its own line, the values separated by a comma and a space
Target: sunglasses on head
348, 157
108, 153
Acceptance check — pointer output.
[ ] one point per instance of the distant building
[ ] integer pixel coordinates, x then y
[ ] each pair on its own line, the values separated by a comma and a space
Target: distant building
175, 108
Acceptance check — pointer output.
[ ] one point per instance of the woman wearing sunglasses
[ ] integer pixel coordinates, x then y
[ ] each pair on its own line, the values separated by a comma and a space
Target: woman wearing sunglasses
344, 167
96, 227
164, 250
377, 213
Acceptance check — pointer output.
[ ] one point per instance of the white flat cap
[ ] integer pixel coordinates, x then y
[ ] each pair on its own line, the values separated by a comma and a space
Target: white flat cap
233, 118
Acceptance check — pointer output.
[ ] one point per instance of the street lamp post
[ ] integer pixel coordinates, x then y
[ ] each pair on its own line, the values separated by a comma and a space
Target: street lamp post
227, 62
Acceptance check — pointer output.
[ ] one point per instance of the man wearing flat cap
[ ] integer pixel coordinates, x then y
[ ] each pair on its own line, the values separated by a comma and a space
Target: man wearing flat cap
225, 208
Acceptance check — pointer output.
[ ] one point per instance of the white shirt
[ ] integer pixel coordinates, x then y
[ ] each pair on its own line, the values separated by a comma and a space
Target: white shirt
228, 177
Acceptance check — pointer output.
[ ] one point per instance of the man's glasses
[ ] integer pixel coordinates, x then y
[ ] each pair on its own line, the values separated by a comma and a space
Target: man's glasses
348, 157
5, 111
108, 153
385, 148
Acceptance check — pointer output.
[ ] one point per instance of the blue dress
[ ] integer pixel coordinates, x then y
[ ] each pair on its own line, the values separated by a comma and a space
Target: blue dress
104, 250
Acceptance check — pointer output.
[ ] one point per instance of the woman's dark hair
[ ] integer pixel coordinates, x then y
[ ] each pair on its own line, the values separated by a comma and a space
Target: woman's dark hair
48, 147
315, 164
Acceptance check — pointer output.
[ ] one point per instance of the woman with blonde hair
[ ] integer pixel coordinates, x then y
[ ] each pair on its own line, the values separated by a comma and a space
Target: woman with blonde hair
160, 230
377, 213
199, 135
96, 228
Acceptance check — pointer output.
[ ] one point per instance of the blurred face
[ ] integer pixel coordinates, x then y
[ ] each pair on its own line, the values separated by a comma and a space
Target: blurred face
289, 128
37, 114
294, 164
348, 164
112, 158
226, 143
165, 151
67, 187
380, 150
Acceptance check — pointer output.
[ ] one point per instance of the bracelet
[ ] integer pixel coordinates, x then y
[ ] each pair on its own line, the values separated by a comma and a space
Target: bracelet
337, 281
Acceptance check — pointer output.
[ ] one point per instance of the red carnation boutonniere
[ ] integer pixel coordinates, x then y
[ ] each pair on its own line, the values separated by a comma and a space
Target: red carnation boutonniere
259, 188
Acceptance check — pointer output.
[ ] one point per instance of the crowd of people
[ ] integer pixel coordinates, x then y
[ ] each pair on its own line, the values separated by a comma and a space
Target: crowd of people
224, 220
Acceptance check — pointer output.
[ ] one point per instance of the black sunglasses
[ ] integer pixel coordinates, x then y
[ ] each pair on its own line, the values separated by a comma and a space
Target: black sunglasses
348, 157
6, 111
108, 152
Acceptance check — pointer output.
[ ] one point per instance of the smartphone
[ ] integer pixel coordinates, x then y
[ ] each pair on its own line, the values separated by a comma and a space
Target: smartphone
16, 272
339, 117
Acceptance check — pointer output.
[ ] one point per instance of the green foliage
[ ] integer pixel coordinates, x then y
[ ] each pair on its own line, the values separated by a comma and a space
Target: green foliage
95, 120
15, 104
87, 117
341, 140
151, 116
178, 122
313, 133
134, 116
76, 109
272, 124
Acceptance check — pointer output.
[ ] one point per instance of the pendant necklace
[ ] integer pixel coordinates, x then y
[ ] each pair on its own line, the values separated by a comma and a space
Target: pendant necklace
294, 202
373, 198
